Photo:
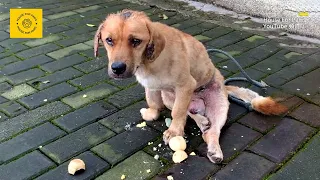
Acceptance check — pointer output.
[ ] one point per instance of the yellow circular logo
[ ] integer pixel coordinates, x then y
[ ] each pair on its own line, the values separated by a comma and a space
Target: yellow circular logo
27, 23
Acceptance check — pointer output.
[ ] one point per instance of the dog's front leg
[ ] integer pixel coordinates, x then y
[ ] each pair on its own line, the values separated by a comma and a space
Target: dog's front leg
183, 95
155, 104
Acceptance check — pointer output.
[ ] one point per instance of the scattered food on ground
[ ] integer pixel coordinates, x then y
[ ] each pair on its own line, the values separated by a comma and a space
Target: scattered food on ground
76, 165
143, 124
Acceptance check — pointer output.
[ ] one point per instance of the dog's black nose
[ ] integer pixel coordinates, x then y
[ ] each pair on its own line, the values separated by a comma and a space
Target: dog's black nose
118, 67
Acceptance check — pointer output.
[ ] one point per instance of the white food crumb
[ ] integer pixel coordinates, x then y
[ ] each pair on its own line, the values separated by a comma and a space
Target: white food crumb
269, 69
298, 89
224, 67
308, 94
156, 157
149, 143
123, 177
148, 171
170, 177
45, 100
154, 149
192, 154
143, 124
84, 96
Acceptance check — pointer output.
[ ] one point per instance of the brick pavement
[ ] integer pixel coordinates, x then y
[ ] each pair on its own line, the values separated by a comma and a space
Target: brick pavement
45, 119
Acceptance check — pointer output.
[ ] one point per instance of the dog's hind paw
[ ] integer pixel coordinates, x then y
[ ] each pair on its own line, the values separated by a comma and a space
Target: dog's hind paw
215, 155
149, 114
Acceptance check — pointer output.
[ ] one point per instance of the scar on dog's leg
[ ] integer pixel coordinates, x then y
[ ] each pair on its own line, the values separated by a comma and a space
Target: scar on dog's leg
197, 111
202, 122
217, 106
155, 104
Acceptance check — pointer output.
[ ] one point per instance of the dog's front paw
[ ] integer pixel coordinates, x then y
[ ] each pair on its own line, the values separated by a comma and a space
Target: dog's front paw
149, 114
172, 132
215, 154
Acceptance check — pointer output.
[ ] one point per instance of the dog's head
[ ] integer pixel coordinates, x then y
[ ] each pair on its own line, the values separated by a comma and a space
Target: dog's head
130, 39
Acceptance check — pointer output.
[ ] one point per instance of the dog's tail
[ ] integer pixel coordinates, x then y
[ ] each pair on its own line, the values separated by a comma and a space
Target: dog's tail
264, 105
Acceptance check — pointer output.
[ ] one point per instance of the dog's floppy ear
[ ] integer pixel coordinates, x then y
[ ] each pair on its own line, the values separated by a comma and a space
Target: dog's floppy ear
156, 43
97, 38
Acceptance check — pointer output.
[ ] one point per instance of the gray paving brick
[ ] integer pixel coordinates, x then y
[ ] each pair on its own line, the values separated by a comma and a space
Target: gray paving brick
56, 29
94, 166
31, 118
308, 113
270, 65
44, 40
5, 87
3, 117
68, 50
74, 40
228, 39
186, 170
94, 93
92, 65
26, 64
125, 144
253, 41
25, 76
135, 167
48, 95
60, 15
3, 100
129, 116
91, 79
55, 78
36, 164
12, 108
186, 24
8, 60
283, 140
235, 111
43, 49
303, 165
245, 166
234, 140
63, 63
260, 122
76, 142
127, 96
18, 91
217, 32
29, 141
124, 83
85, 115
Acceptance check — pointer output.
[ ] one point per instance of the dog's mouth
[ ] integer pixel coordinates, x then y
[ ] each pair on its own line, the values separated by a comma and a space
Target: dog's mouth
125, 75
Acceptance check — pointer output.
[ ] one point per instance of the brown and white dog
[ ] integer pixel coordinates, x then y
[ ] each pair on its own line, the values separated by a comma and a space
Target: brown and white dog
177, 73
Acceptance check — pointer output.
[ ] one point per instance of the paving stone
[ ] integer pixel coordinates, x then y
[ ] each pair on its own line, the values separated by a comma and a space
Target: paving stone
31, 118
254, 74
124, 83
253, 41
186, 170
260, 122
80, 30
42, 41
18, 91
8, 60
68, 51
85, 115
92, 65
48, 95
274, 80
4, 16
29, 141
26, 64
233, 141
303, 165
11, 42
283, 140
91, 79
25, 76
76, 142
94, 166
56, 29
260, 53
55, 78
227, 39
304, 85
36, 164
308, 113
5, 87
235, 111
270, 65
43, 49
74, 40
200, 28
63, 63
125, 118
3, 117
12, 108
60, 15
135, 167
94, 93
127, 96
186, 24
3, 100
217, 32
245, 166
125, 144
89, 8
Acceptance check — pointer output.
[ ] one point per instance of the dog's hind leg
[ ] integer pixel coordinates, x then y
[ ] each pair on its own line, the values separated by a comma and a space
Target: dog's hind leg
217, 106
155, 104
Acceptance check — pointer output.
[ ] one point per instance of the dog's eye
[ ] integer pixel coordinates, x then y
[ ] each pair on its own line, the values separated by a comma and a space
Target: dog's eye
135, 42
109, 41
